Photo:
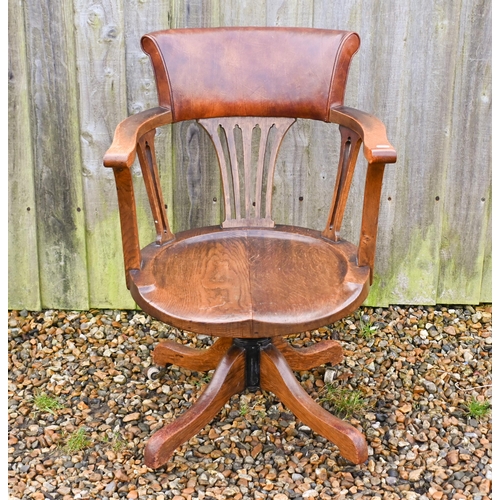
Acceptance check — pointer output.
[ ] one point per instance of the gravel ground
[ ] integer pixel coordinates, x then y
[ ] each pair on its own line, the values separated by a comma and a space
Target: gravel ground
414, 372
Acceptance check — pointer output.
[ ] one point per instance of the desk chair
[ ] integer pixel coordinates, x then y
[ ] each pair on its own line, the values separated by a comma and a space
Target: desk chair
250, 282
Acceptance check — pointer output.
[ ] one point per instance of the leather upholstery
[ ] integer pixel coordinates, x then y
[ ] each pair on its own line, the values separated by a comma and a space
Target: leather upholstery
206, 73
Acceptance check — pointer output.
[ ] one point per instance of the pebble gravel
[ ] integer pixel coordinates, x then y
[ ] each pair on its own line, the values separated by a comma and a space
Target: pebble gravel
416, 370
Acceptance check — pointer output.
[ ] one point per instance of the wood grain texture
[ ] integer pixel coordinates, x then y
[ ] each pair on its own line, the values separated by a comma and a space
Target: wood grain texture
23, 266
249, 283
247, 190
132, 133
350, 143
228, 379
417, 198
487, 278
128, 221
460, 268
171, 352
306, 358
57, 161
100, 62
425, 244
238, 13
408, 265
277, 378
147, 158
123, 150
289, 13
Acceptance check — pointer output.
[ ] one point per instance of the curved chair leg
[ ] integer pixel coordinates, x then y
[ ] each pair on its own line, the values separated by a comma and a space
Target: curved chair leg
228, 379
170, 352
305, 358
277, 377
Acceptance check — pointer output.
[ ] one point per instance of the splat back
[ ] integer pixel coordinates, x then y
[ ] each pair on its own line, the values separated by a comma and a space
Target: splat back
278, 72
247, 173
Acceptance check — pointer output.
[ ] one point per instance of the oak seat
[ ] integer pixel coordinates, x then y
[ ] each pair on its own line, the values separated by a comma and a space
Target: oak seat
248, 282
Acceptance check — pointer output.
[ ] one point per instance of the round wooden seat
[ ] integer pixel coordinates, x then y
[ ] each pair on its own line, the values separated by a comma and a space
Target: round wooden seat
249, 282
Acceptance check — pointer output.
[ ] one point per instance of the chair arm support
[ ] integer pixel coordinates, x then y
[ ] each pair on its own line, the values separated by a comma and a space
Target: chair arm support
378, 151
120, 156
128, 220
369, 218
123, 149
376, 147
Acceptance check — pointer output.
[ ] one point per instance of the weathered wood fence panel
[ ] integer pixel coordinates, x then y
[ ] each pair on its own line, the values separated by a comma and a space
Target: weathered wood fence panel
416, 109
76, 69
57, 164
100, 61
24, 279
468, 174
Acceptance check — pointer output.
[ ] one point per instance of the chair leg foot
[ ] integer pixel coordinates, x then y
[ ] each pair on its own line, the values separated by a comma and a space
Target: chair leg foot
305, 358
277, 377
228, 379
170, 352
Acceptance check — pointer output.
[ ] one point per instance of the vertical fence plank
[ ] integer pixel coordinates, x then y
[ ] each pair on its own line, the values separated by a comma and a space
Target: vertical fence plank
487, 278
417, 111
289, 13
243, 13
405, 51
303, 180
24, 289
143, 17
57, 161
197, 190
101, 82
466, 212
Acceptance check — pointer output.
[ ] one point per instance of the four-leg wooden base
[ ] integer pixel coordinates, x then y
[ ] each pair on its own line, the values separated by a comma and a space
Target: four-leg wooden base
277, 360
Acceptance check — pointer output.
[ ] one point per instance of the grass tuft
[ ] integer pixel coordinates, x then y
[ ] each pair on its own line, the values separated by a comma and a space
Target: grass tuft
77, 441
478, 409
344, 402
203, 380
366, 330
47, 404
115, 441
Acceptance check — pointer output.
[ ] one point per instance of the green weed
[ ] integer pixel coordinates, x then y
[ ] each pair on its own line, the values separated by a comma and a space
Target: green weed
203, 380
115, 442
345, 402
478, 409
47, 404
366, 330
77, 441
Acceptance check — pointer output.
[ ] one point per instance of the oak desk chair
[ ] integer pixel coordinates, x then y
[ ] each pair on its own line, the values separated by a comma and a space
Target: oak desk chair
248, 281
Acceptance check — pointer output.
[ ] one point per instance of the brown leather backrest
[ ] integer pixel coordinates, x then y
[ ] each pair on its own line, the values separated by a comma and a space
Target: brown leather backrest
213, 72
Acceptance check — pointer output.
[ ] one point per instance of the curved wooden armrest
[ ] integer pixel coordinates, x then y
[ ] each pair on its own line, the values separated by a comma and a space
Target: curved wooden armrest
136, 134
376, 147
123, 149
378, 151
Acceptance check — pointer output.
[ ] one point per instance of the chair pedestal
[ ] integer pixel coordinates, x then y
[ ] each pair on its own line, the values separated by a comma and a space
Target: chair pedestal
249, 364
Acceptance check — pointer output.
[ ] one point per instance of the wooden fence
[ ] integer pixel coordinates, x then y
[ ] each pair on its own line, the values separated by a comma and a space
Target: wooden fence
76, 69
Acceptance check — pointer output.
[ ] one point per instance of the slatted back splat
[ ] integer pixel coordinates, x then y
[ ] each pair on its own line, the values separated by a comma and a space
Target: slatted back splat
247, 166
